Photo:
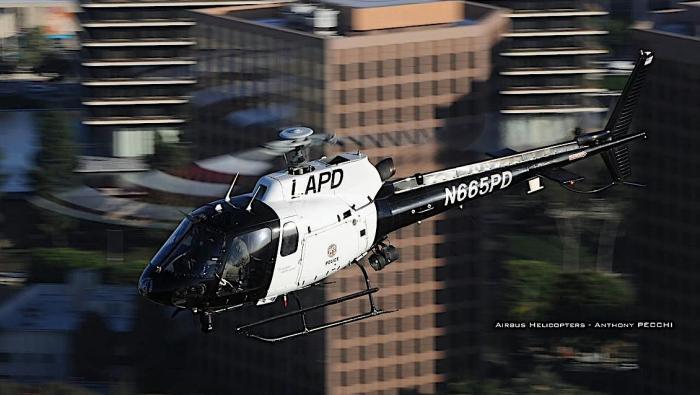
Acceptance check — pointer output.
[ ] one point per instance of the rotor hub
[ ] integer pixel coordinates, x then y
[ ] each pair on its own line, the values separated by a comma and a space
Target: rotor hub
296, 133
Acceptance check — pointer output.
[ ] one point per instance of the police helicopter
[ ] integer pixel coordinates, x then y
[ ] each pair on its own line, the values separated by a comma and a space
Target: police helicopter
302, 224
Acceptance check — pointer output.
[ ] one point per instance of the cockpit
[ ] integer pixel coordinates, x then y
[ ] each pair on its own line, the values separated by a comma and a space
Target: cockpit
220, 253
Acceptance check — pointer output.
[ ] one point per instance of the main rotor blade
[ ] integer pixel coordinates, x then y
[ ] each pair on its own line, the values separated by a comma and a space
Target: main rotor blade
257, 161
232, 164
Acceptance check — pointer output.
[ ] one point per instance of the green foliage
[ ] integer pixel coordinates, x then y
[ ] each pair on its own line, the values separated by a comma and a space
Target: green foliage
540, 381
535, 248
55, 227
541, 248
475, 387
591, 295
543, 381
56, 158
614, 82
619, 33
53, 171
55, 388
530, 287
168, 156
54, 264
539, 290
125, 272
63, 389
33, 47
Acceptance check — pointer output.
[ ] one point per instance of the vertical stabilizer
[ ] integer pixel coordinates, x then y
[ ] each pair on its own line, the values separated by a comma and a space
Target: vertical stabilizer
618, 159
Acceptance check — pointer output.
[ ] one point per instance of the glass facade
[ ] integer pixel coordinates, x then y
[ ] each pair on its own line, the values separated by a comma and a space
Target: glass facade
252, 81
137, 74
401, 93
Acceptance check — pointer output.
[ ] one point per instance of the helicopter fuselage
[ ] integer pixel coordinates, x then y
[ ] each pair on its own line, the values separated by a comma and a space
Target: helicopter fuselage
298, 227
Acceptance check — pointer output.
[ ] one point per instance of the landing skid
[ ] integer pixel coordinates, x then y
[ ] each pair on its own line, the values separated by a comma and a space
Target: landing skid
301, 311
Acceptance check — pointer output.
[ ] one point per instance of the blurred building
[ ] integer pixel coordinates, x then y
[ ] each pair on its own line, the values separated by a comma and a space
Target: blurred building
400, 78
137, 72
38, 325
547, 69
55, 17
663, 238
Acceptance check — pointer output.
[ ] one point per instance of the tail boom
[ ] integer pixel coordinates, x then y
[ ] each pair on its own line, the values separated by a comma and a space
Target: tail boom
402, 207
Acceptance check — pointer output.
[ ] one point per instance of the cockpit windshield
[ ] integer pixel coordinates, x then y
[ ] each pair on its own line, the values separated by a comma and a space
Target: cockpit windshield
174, 238
219, 255
193, 250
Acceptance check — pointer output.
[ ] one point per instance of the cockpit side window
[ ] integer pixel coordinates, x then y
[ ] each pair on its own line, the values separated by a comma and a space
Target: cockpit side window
290, 239
260, 193
245, 256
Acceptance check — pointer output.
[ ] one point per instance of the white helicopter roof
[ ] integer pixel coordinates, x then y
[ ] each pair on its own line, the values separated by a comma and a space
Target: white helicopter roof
348, 175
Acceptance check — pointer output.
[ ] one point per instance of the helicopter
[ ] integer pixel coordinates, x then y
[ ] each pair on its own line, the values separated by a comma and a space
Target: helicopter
304, 223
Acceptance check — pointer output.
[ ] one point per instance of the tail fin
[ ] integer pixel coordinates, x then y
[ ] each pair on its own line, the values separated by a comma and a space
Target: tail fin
617, 159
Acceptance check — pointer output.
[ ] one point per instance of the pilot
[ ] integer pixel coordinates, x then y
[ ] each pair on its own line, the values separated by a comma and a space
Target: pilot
237, 260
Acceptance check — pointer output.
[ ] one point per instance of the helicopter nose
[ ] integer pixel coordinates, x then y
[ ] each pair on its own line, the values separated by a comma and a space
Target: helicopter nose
149, 288
145, 286
146, 282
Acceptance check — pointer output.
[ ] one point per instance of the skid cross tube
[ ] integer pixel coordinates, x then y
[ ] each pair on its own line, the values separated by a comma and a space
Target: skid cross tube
301, 311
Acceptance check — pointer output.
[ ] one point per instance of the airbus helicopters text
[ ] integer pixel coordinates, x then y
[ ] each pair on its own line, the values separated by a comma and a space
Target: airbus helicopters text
304, 223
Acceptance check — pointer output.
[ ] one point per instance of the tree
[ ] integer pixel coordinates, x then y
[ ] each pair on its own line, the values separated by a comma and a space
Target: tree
543, 381
53, 171
33, 47
542, 291
56, 158
168, 156
530, 289
591, 296
475, 387
539, 380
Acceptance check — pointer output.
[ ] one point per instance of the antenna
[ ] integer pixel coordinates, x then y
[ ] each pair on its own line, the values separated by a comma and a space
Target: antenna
255, 195
228, 194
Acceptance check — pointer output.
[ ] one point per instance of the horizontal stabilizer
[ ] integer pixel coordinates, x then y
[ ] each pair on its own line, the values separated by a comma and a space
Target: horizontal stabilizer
561, 176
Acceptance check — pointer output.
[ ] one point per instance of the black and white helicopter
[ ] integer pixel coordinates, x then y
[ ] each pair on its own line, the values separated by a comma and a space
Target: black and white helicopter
304, 223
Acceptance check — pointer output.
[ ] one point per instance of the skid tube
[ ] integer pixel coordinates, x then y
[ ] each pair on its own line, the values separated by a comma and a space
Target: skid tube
301, 311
